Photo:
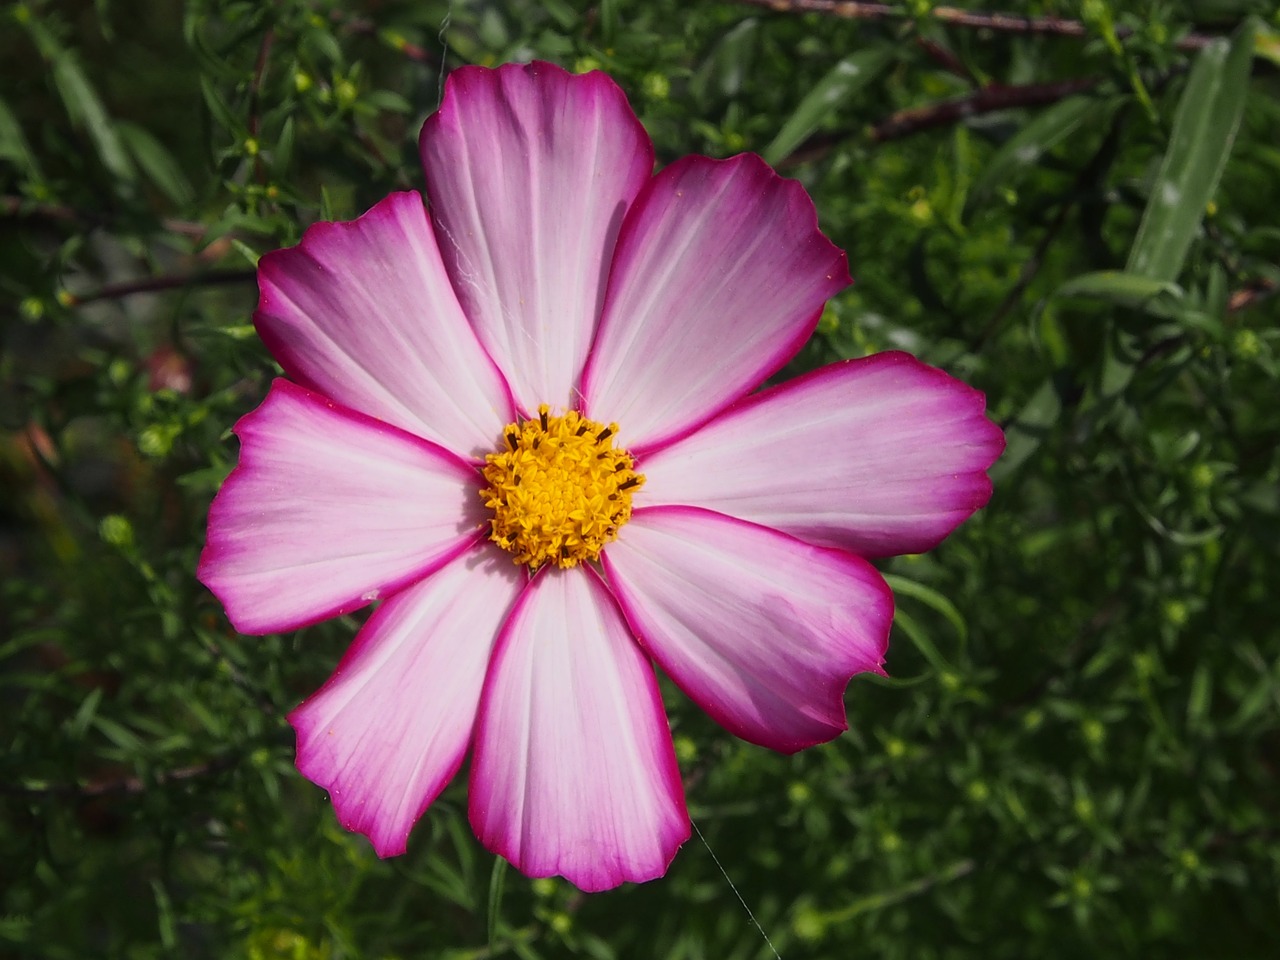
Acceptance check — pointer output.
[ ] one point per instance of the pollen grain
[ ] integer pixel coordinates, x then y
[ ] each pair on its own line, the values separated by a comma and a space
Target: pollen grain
558, 488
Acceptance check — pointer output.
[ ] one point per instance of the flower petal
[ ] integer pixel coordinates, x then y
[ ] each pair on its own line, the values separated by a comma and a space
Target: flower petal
720, 275
574, 772
363, 312
327, 511
391, 726
761, 630
529, 170
881, 456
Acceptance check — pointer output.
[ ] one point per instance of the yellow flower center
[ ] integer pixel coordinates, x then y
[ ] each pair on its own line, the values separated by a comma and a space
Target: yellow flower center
559, 491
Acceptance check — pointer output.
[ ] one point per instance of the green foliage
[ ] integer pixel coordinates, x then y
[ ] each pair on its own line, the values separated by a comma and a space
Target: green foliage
1078, 750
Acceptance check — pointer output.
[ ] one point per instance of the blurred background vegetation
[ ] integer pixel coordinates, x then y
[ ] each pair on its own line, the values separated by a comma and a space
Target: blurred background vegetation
1079, 751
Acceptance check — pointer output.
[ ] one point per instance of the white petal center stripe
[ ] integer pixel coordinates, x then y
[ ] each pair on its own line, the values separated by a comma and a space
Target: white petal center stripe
880, 456
329, 510
761, 630
392, 725
719, 277
530, 170
574, 773
522, 423
364, 313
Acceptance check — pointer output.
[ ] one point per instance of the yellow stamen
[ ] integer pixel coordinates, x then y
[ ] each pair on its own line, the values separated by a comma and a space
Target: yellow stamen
559, 490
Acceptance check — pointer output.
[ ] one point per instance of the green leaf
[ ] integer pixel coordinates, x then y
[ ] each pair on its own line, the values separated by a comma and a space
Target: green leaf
86, 110
560, 11
157, 163
1022, 152
497, 880
120, 735
608, 13
1203, 130
1266, 43
165, 916
722, 73
283, 153
1200, 698
328, 210
84, 714
222, 113
245, 251
388, 100
845, 79
931, 598
1024, 436
920, 639
14, 928
13, 145
1124, 290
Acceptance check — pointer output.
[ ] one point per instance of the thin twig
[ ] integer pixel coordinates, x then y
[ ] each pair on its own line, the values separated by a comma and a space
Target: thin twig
369, 28
994, 20
116, 291
131, 785
1081, 648
904, 123
1092, 172
1251, 295
255, 101
1028, 273
946, 59
19, 207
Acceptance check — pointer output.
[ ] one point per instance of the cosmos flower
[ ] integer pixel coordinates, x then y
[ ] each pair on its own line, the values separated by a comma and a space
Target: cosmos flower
524, 421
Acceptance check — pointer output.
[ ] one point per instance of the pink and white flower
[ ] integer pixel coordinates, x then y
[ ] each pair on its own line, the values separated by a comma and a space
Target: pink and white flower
555, 365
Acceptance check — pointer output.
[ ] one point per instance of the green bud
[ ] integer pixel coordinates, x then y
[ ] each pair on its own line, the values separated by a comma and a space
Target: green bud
116, 530
656, 86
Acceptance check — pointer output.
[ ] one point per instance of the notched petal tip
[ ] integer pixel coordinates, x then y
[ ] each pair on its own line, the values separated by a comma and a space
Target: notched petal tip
761, 630
881, 456
328, 509
574, 773
530, 170
364, 312
391, 726
720, 275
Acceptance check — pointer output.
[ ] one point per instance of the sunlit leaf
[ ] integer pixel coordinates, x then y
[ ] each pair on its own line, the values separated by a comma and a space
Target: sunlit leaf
1204, 129
157, 163
1022, 152
847, 77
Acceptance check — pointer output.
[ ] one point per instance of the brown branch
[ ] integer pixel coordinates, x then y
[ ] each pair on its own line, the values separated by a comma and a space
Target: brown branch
1029, 271
19, 208
116, 291
255, 103
130, 786
904, 123
1092, 172
947, 60
369, 28
993, 20
1251, 295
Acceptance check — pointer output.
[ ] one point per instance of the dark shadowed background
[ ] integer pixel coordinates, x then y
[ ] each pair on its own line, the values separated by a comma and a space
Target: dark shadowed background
1079, 750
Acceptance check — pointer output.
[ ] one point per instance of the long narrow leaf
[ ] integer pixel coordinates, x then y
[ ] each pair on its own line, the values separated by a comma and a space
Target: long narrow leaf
1123, 290
85, 109
1021, 152
845, 79
157, 163
13, 145
1203, 130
